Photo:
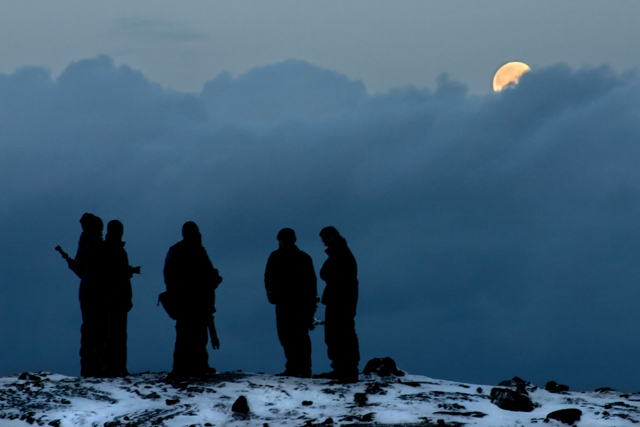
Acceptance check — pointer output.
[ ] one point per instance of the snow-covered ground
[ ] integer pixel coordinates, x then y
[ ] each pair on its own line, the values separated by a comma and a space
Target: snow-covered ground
148, 399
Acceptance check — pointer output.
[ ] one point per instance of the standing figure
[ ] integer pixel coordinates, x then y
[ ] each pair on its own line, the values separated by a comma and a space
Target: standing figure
89, 266
290, 281
191, 283
340, 297
119, 298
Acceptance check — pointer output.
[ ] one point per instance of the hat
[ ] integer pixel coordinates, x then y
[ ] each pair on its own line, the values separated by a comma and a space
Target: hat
190, 229
287, 235
90, 222
329, 232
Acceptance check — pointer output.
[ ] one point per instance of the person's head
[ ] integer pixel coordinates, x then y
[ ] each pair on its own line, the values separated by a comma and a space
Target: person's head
115, 230
91, 224
286, 237
86, 221
328, 234
191, 232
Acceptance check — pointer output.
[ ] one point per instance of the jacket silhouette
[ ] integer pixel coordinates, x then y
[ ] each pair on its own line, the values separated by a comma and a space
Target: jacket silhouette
89, 266
290, 282
191, 282
340, 272
119, 297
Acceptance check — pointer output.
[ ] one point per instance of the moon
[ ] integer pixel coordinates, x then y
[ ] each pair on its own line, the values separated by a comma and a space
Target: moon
508, 75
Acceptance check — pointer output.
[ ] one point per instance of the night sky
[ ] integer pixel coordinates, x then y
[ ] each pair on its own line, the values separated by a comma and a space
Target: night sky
497, 234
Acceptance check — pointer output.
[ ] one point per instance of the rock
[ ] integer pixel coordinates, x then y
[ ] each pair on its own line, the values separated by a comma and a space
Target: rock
360, 399
554, 387
241, 406
567, 416
469, 414
617, 404
518, 383
510, 400
26, 376
375, 388
383, 367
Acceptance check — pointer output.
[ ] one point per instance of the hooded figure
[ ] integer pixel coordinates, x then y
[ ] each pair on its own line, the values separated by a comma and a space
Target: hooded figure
89, 266
119, 297
340, 297
290, 281
191, 282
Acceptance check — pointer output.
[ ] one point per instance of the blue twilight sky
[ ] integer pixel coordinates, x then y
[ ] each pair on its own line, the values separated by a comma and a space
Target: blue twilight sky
497, 234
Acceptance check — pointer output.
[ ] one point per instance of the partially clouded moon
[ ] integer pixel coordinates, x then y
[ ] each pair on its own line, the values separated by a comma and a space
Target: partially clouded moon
508, 75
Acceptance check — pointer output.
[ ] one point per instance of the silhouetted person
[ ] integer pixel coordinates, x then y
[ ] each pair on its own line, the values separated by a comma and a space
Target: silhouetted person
340, 297
119, 298
191, 282
89, 266
290, 281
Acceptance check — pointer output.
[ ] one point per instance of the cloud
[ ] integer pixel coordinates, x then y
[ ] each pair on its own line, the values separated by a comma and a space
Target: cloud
496, 234
285, 91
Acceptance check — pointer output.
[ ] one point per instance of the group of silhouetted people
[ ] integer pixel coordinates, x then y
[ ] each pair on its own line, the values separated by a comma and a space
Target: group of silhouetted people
105, 297
290, 281
191, 281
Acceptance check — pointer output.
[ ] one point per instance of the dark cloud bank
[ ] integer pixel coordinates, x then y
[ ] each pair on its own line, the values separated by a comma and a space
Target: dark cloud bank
496, 234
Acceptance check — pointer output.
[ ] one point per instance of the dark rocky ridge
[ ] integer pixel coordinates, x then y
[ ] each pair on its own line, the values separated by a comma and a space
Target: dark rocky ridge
243, 399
